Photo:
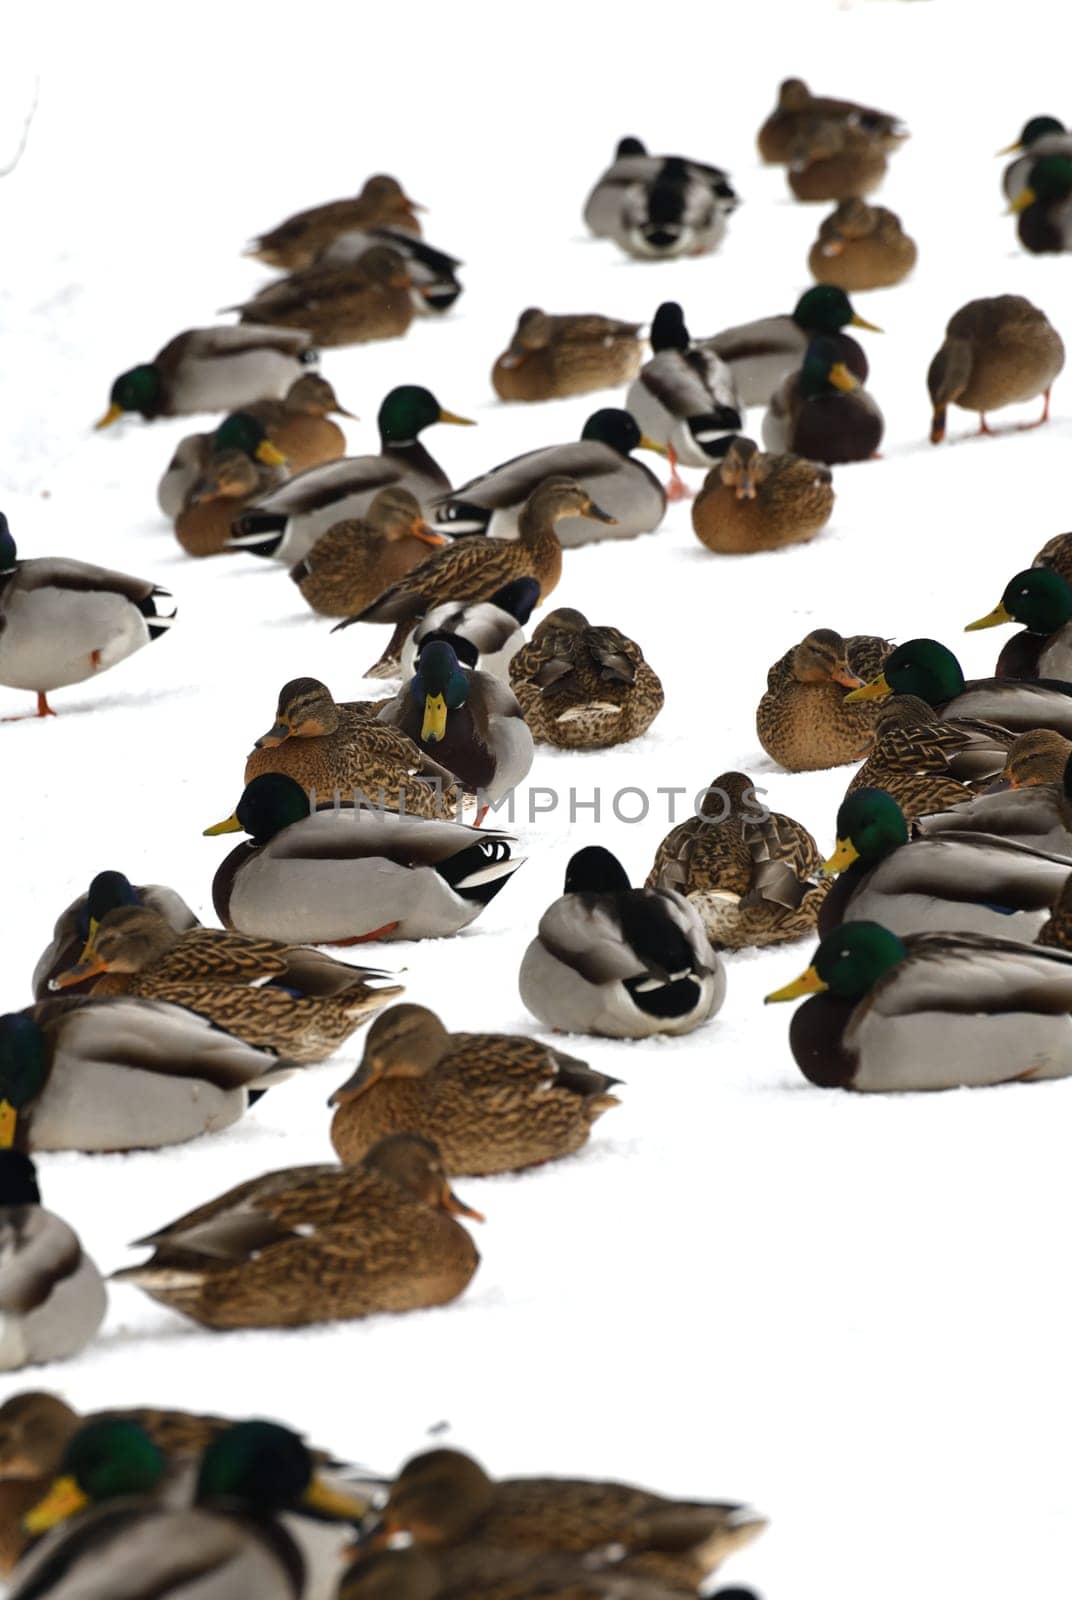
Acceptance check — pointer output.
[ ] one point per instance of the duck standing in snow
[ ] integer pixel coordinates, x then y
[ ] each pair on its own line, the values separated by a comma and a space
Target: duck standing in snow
996, 352
684, 398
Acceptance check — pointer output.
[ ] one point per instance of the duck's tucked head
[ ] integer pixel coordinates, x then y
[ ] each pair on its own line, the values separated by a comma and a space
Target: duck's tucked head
518, 599
140, 389
1049, 180
127, 939
247, 434
408, 410
1034, 129
618, 429
107, 890
533, 332
870, 824
921, 667
560, 497
8, 553
822, 657
853, 219
23, 1070
268, 805
849, 962
305, 710
18, 1180
34, 1429
595, 870
742, 468
437, 1497
402, 1042
396, 514
823, 372
1038, 597
438, 686
312, 396
230, 475
103, 1460
416, 1165
262, 1467
1038, 756
668, 330
826, 309
630, 147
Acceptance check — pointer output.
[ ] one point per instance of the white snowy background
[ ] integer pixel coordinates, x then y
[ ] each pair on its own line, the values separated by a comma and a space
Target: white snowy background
853, 1312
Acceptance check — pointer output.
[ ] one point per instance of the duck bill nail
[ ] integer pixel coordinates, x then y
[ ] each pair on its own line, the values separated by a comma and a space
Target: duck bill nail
229, 825
993, 619
112, 414
459, 422
458, 1208
275, 735
862, 322
877, 689
844, 855
63, 1500
8, 1121
808, 983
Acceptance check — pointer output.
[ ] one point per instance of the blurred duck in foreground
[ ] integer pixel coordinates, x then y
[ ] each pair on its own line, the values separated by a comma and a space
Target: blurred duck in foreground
633, 165
860, 247
1039, 136
549, 357
1044, 206
212, 369
797, 107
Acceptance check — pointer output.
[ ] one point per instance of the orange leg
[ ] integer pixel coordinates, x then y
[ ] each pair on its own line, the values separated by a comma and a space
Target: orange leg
676, 489
95, 659
481, 814
1045, 417
983, 427
366, 938
43, 710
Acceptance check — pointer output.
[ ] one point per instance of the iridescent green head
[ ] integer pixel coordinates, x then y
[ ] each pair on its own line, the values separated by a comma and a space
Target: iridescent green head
261, 1467
1038, 597
826, 309
408, 410
23, 1070
925, 668
848, 963
270, 803
1050, 179
438, 686
141, 389
823, 371
102, 1461
1036, 128
870, 824
245, 433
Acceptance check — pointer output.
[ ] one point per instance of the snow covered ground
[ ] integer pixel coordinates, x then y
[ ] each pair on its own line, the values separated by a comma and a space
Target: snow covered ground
853, 1312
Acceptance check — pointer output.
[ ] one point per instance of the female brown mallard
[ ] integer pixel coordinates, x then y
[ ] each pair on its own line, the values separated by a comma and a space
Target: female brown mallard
352, 564
802, 720
443, 1498
230, 481
349, 304
475, 568
822, 411
340, 748
317, 1244
212, 369
752, 874
493, 1102
76, 922
300, 424
861, 247
552, 356
996, 352
478, 1571
1036, 757
927, 763
279, 997
297, 242
797, 107
756, 501
582, 687
835, 161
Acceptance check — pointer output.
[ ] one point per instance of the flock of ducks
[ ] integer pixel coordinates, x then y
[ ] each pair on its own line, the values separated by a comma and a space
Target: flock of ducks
943, 912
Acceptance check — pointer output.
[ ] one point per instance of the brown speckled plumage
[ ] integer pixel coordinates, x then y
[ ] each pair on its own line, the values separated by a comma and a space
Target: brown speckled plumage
928, 764
996, 352
552, 356
300, 424
356, 560
317, 1244
1057, 553
753, 500
835, 161
230, 480
582, 687
493, 1102
474, 1570
802, 721
297, 242
338, 305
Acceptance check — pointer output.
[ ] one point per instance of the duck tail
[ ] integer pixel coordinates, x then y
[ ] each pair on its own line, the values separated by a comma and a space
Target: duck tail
259, 532
461, 516
390, 663
158, 622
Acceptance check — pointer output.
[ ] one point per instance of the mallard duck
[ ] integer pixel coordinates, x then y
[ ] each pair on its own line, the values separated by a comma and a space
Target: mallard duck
997, 352
432, 273
1039, 136
622, 962
476, 568
1042, 600
925, 668
317, 1244
121, 1074
931, 1011
945, 884
230, 481
835, 160
351, 303
822, 412
861, 247
63, 621
762, 354
341, 750
685, 397
52, 1298
484, 633
474, 1570
76, 922
752, 874
287, 523
600, 461
275, 996
465, 719
1044, 206
926, 763
802, 720
550, 357
351, 564
240, 431
1057, 553
633, 165
212, 369
674, 212
1040, 756
342, 876
797, 107
298, 241
582, 687
300, 424
754, 501
443, 1498
1036, 814
121, 1525
492, 1102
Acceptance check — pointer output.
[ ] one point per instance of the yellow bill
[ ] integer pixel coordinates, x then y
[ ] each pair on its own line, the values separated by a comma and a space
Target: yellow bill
459, 422
271, 457
1025, 198
229, 825
112, 414
63, 1500
862, 322
434, 726
809, 982
845, 853
993, 619
8, 1119
842, 378
651, 444
329, 1502
877, 689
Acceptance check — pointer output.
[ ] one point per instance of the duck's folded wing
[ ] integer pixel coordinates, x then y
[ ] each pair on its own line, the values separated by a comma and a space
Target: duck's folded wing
974, 869
37, 1251
322, 486
511, 482
79, 577
676, 385
205, 343
587, 935
972, 975
246, 1218
1016, 813
615, 657
347, 834
218, 954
